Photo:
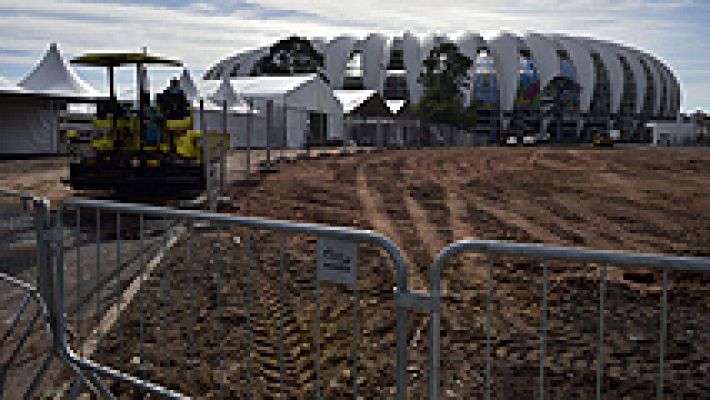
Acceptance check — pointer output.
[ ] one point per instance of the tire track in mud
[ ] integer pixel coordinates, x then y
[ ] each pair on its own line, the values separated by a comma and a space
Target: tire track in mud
372, 204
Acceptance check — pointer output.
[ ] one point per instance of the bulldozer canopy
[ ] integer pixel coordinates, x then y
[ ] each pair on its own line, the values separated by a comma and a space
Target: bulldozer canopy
115, 59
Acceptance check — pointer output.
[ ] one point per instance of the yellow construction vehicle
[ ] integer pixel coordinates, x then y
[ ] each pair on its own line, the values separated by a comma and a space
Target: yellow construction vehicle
151, 150
602, 139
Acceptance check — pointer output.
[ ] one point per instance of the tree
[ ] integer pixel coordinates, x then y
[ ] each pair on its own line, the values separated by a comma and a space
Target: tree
444, 76
293, 55
559, 95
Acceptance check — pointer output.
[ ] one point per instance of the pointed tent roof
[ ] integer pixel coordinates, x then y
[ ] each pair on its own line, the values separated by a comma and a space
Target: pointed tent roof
224, 91
352, 99
213, 93
188, 85
270, 86
54, 75
8, 87
395, 106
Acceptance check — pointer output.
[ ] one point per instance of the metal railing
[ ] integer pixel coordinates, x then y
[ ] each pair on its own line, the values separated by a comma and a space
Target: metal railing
285, 300
23, 311
171, 302
20, 377
495, 249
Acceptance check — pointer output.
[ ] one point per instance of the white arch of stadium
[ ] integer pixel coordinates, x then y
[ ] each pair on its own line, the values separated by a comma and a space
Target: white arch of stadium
645, 70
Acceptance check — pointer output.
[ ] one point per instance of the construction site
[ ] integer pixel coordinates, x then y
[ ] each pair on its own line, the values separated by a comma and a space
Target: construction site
217, 309
270, 231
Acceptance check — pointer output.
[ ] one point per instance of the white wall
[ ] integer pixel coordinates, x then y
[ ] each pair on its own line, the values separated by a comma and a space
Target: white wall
27, 126
672, 133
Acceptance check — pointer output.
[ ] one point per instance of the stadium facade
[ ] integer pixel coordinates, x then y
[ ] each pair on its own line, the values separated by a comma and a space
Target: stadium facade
616, 87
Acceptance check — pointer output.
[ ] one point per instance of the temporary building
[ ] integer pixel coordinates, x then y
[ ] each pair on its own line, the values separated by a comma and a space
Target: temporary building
54, 77
366, 115
671, 133
313, 114
27, 122
29, 111
211, 110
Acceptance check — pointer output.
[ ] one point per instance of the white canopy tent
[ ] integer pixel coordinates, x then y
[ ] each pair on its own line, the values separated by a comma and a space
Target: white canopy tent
305, 97
29, 111
26, 121
55, 77
212, 94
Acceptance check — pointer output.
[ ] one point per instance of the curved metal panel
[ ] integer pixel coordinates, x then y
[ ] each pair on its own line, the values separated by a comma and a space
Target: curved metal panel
679, 94
337, 55
374, 71
387, 53
675, 85
584, 68
666, 79
250, 58
413, 65
544, 54
613, 67
656, 78
505, 51
468, 45
639, 76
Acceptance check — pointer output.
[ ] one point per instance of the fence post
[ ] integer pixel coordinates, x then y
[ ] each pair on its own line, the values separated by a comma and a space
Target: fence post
269, 126
205, 153
250, 116
380, 139
223, 148
284, 118
45, 273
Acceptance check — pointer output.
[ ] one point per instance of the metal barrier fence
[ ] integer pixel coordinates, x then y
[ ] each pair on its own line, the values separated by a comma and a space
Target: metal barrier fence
27, 317
25, 346
521, 380
263, 307
178, 303
23, 312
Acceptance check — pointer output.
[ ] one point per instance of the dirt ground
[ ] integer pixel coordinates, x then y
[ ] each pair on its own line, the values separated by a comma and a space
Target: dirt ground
647, 200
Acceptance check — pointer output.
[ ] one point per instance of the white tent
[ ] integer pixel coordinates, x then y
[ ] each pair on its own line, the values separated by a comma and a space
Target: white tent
306, 98
28, 122
55, 77
29, 111
352, 99
212, 94
395, 105
188, 86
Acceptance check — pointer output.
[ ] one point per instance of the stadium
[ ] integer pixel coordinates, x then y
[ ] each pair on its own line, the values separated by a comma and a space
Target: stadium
563, 88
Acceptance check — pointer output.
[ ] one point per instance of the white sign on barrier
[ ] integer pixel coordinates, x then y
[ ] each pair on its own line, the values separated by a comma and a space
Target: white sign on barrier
337, 261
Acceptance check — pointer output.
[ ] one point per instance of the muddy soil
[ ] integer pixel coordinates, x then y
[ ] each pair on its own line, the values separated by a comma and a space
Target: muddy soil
647, 200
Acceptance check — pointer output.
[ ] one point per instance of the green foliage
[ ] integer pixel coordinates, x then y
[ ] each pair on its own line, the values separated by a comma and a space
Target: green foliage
445, 73
559, 89
293, 55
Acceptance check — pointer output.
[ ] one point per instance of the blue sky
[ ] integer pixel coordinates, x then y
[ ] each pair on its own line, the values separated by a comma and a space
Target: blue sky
203, 31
